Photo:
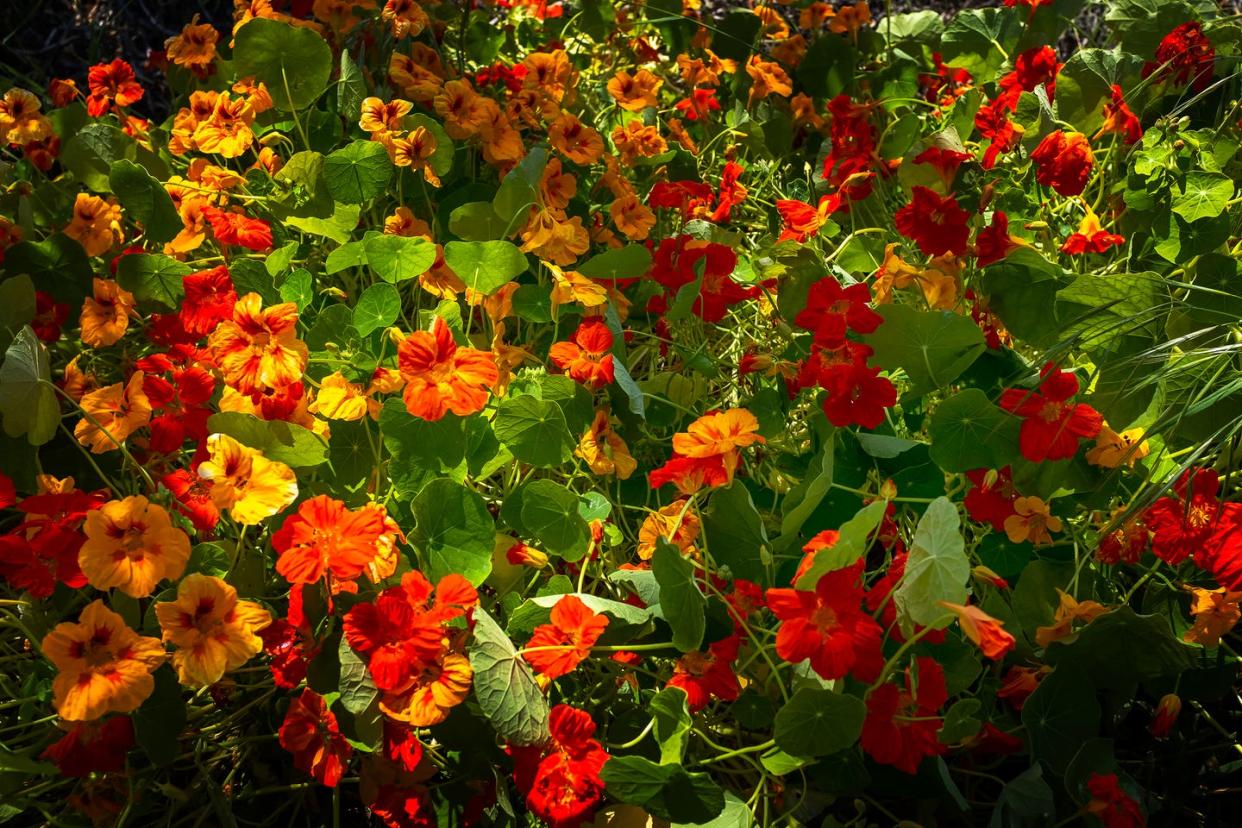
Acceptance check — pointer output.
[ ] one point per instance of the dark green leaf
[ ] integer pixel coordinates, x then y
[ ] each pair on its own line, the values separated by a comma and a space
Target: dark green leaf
145, 200
969, 432
818, 722
293, 61
455, 532
357, 172
681, 601
153, 278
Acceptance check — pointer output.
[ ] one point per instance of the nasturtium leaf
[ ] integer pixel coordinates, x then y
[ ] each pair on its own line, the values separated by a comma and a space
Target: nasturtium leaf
969, 432
455, 532
932, 347
980, 40
159, 721
828, 67
338, 226
671, 714
961, 721
628, 262
350, 254
298, 287
550, 514
1085, 85
398, 258
357, 172
484, 265
209, 559
153, 278
1122, 648
853, 539
804, 499
681, 601
1060, 715
58, 265
817, 722
735, 533
145, 200
358, 690
519, 189
1203, 195
1026, 800
294, 62
504, 685
90, 154
378, 307
666, 791
476, 221
18, 307
534, 430
27, 401
937, 568
351, 88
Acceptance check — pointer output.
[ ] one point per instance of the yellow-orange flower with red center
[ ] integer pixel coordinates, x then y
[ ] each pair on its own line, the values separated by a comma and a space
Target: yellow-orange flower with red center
131, 545
102, 665
576, 141
1114, 449
380, 117
442, 685
195, 47
571, 286
21, 120
112, 414
675, 524
404, 17
637, 140
105, 314
604, 450
441, 377
849, 19
632, 217
96, 224
709, 451
323, 536
228, 131
988, 633
250, 486
212, 630
555, 236
259, 349
414, 150
636, 92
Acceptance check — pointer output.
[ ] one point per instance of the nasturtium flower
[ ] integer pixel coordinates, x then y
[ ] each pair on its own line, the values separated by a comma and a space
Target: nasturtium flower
194, 48
96, 224
209, 300
833, 310
1019, 683
233, 228
102, 665
994, 242
1216, 612
1114, 449
936, 223
557, 648
1091, 237
1032, 521
632, 217
1111, 805
21, 118
131, 545
1052, 424
380, 117
92, 747
561, 779
576, 141
113, 413
707, 675
1194, 520
675, 523
1119, 119
405, 18
212, 630
1184, 56
440, 376
1069, 610
571, 286
986, 632
635, 92
709, 451
105, 314
850, 18
323, 536
587, 358
1063, 161
800, 220
902, 724
258, 349
440, 685
828, 626
766, 78
311, 733
111, 84
1165, 716
603, 449
247, 485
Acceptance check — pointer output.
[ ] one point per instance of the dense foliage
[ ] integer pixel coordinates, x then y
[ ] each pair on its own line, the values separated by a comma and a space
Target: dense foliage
523, 412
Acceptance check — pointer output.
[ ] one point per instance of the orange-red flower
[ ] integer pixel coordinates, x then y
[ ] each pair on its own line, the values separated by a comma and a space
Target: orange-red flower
441, 377
800, 219
561, 779
558, 647
235, 228
113, 413
1052, 425
212, 630
111, 84
588, 358
258, 349
1091, 237
988, 633
132, 545
1216, 612
1111, 805
902, 722
1119, 119
936, 223
323, 536
708, 452
102, 665
311, 733
636, 92
1063, 162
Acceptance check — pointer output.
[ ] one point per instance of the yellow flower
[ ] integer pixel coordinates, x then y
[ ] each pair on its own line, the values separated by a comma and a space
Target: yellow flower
114, 413
96, 224
1113, 449
228, 131
195, 47
132, 545
1068, 611
245, 482
1034, 521
571, 286
21, 121
103, 666
604, 450
212, 630
675, 524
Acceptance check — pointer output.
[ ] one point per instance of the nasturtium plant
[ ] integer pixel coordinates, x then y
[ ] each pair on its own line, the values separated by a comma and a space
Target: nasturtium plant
569, 413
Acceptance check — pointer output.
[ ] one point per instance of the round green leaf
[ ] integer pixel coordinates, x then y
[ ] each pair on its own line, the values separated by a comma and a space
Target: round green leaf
937, 568
1060, 715
377, 307
145, 200
484, 266
969, 432
357, 172
550, 514
455, 532
293, 61
932, 347
153, 278
398, 258
818, 722
534, 430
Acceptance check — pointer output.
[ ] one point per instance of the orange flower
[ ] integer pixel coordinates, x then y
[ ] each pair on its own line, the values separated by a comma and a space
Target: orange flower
245, 482
1032, 522
1113, 449
114, 413
987, 632
576, 141
323, 536
636, 92
404, 17
637, 140
96, 224
442, 685
571, 286
102, 665
553, 236
588, 358
414, 150
105, 316
460, 108
212, 630
675, 524
632, 217
1216, 612
558, 647
604, 450
228, 130
111, 84
767, 78
21, 121
380, 118
719, 434
550, 72
801, 219
849, 19
441, 377
132, 545
258, 349
1068, 611
195, 47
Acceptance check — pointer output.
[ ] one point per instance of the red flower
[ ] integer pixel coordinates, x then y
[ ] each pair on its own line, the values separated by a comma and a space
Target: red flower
936, 223
679, 195
1051, 424
991, 496
194, 499
49, 316
401, 745
287, 646
561, 780
946, 84
993, 242
1186, 523
92, 747
1111, 805
832, 310
677, 264
8, 492
588, 358
568, 638
238, 229
111, 83
708, 675
1064, 161
311, 734
801, 219
902, 723
992, 121
323, 536
699, 104
1037, 66
42, 550
856, 394
829, 627
209, 300
1185, 55
398, 806
731, 193
1119, 119
1091, 237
